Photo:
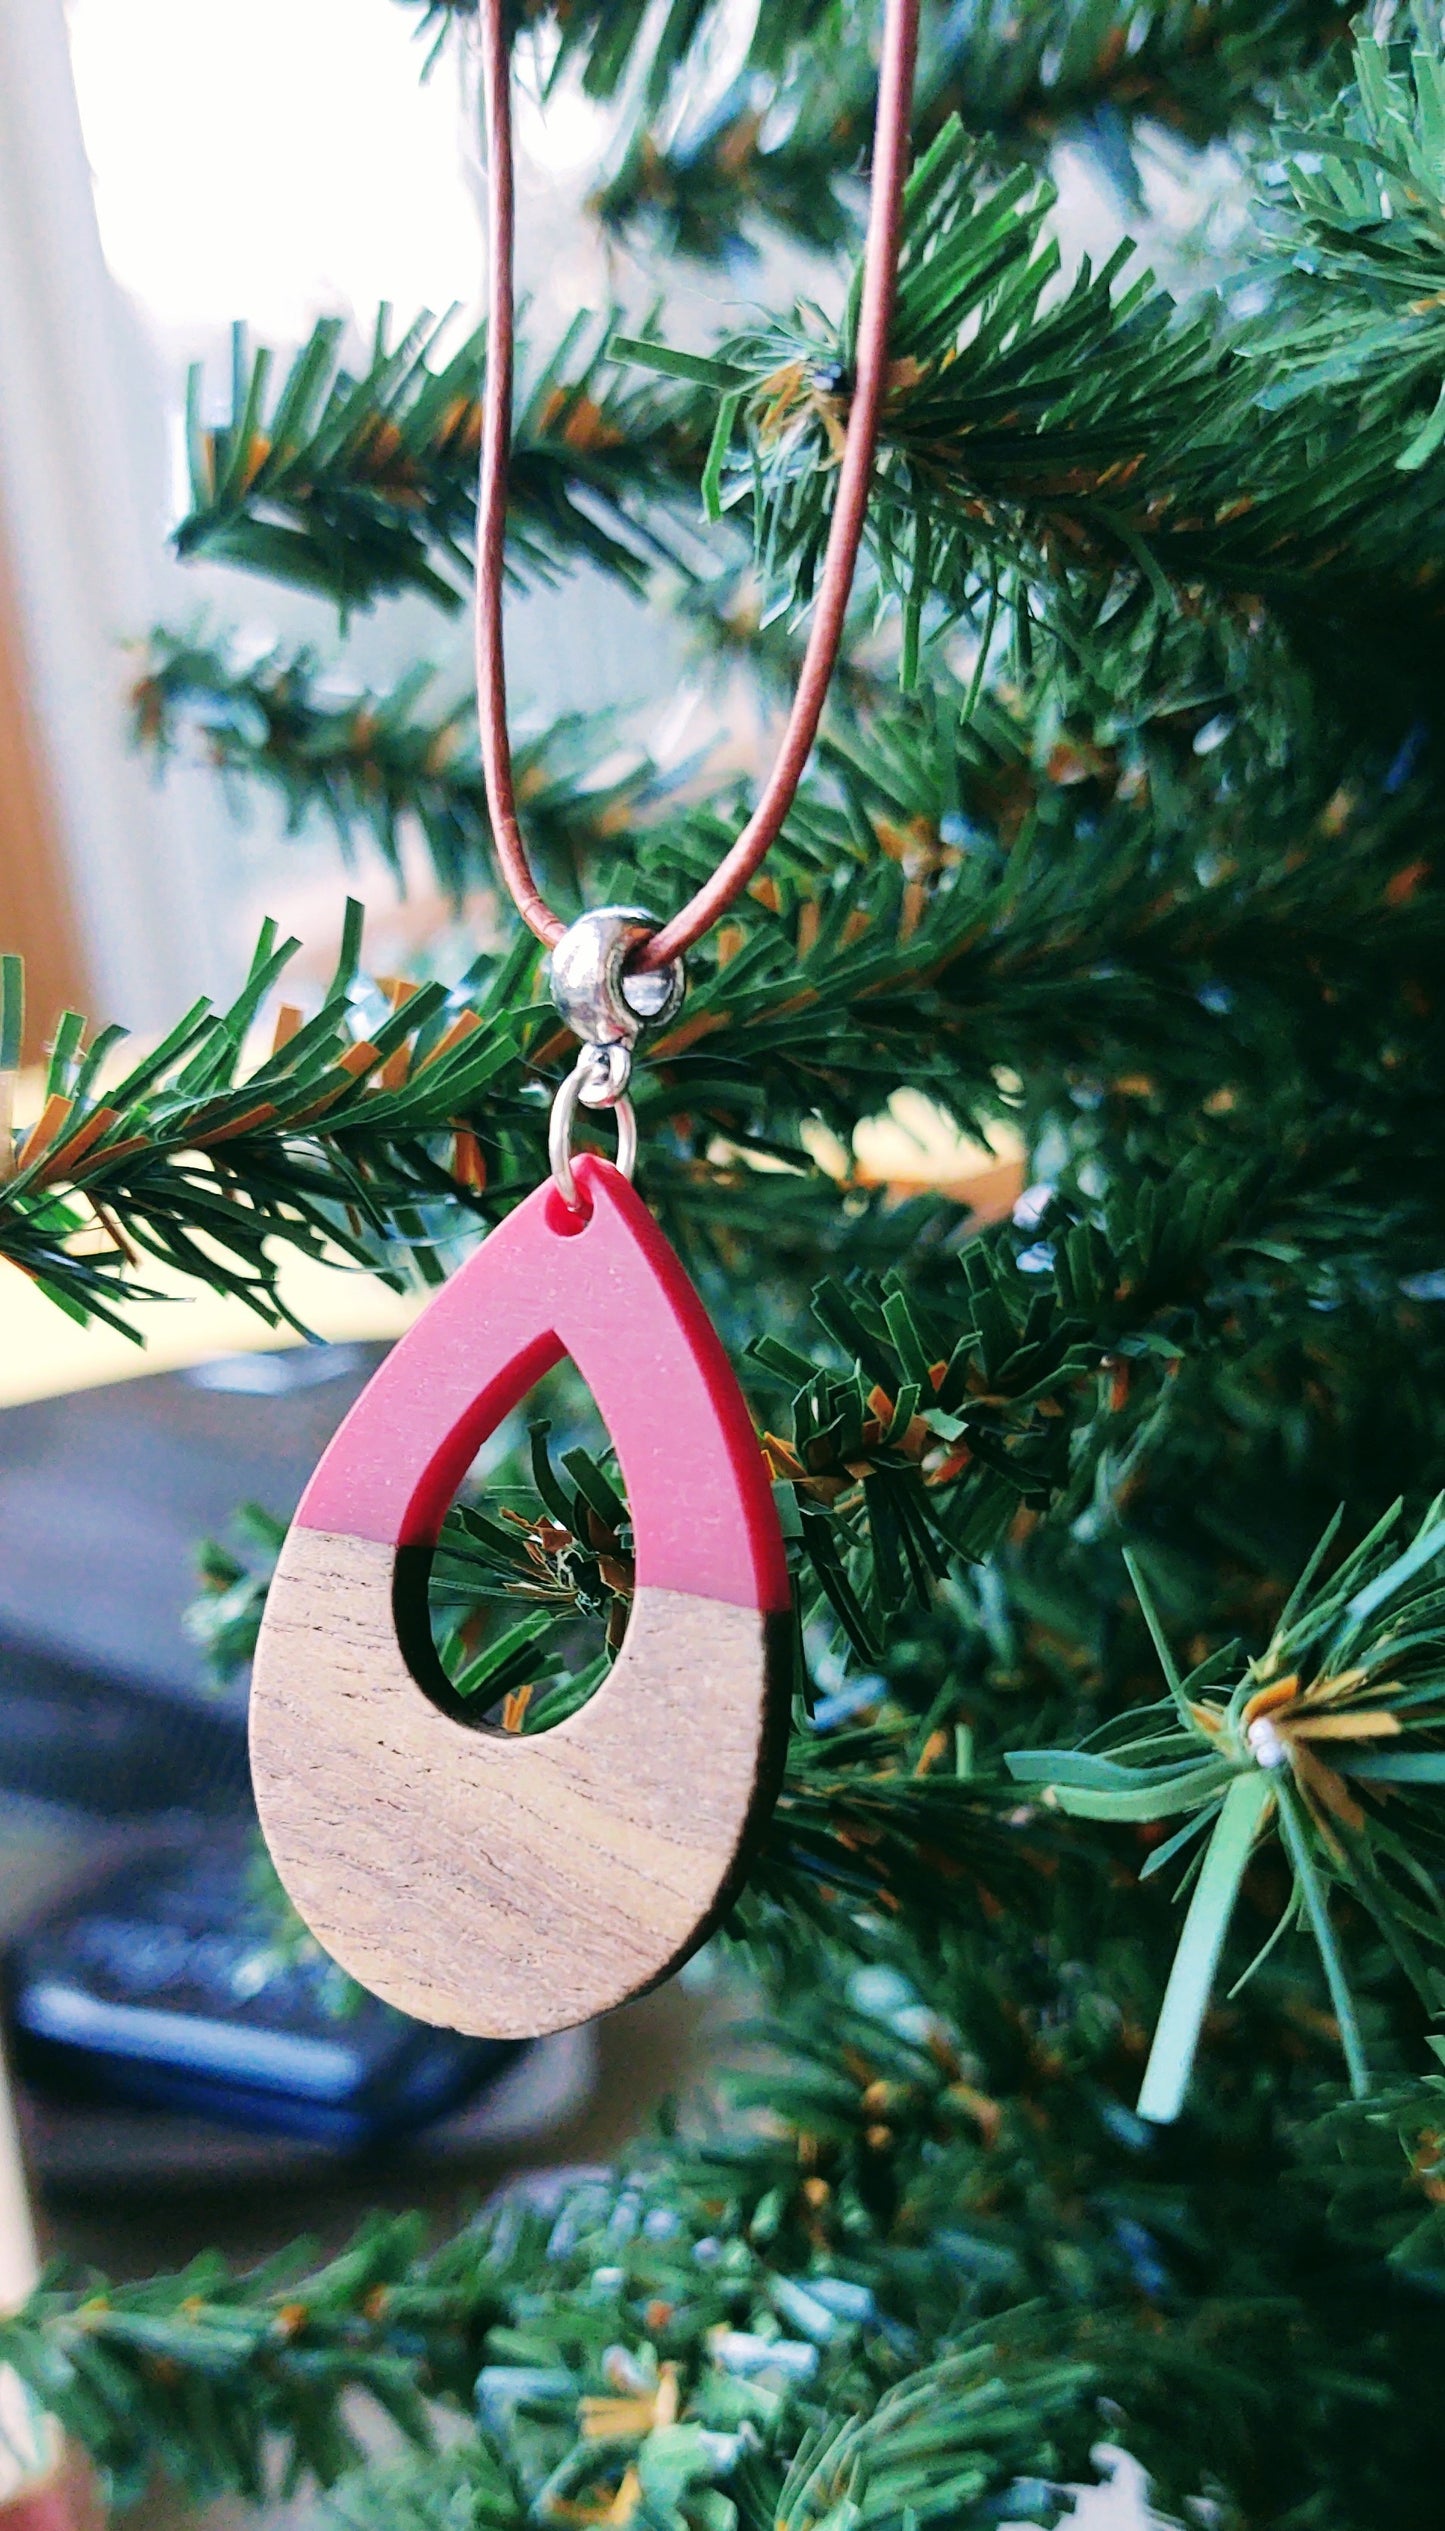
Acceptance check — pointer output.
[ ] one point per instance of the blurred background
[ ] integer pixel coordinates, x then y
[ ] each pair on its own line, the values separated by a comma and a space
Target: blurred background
160, 179
163, 173
165, 167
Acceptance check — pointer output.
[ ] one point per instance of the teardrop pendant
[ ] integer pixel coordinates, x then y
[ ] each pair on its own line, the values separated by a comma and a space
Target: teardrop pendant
500, 1884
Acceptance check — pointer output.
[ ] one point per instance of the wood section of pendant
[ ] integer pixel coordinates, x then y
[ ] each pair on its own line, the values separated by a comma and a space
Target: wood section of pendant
494, 1883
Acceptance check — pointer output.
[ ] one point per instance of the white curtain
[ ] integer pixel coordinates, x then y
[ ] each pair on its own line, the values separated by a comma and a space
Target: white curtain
83, 513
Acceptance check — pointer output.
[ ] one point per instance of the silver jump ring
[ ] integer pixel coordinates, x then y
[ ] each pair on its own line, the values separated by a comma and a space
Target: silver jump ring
606, 1072
559, 1129
608, 1008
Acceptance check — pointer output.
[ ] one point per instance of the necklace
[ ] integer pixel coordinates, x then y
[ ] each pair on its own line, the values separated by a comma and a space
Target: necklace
512, 1884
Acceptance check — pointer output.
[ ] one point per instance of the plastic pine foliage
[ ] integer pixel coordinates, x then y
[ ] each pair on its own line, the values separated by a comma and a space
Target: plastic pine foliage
1104, 78
366, 762
362, 487
704, 173
1095, 2087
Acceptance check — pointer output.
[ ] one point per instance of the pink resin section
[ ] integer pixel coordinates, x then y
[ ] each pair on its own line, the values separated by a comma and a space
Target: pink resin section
615, 1297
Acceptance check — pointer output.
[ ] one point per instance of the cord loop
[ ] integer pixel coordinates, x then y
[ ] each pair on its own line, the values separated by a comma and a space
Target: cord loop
880, 263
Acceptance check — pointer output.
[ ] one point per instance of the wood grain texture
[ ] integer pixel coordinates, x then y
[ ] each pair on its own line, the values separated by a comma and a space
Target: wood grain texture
492, 1883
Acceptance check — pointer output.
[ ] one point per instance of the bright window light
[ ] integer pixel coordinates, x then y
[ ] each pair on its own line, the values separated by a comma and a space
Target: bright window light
274, 162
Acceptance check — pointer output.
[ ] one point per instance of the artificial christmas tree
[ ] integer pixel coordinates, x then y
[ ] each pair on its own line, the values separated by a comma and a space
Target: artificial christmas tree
1100, 1920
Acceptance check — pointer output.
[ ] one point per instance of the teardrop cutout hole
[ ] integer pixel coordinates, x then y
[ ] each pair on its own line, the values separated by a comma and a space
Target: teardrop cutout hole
513, 1620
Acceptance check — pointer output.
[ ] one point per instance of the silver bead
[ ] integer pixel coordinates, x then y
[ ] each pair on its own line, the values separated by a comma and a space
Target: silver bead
600, 1002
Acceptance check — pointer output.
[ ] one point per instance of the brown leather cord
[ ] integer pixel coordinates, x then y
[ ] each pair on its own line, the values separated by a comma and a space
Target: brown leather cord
890, 155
